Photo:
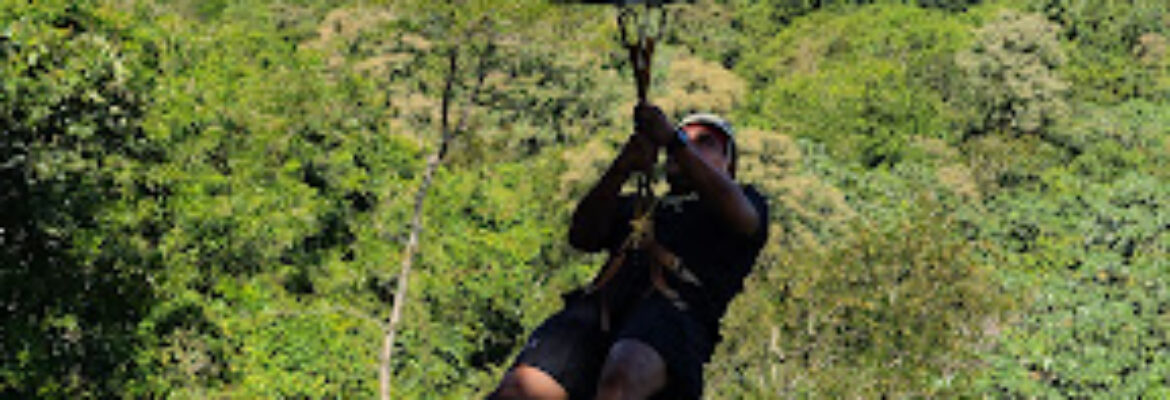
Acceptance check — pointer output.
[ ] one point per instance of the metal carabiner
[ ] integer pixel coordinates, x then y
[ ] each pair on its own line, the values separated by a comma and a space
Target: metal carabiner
641, 48
627, 19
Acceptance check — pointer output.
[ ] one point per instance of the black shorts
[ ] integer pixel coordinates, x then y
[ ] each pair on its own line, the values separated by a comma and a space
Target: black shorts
571, 348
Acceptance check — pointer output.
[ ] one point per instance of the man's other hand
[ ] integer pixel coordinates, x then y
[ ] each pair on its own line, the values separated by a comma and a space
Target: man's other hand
650, 121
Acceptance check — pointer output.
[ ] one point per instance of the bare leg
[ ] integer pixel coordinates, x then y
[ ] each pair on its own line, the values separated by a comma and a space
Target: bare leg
524, 382
633, 370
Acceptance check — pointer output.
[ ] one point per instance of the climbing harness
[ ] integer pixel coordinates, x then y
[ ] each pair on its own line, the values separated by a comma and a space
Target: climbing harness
638, 32
641, 248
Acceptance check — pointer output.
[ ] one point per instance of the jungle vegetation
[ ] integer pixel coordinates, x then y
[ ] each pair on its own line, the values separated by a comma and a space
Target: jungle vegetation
211, 198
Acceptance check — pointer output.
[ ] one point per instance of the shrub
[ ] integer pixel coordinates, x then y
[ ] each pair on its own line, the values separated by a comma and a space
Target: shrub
1112, 62
1010, 72
862, 82
1092, 257
72, 86
888, 311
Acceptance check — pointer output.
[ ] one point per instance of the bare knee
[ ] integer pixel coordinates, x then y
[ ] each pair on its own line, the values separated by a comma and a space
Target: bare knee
633, 370
524, 382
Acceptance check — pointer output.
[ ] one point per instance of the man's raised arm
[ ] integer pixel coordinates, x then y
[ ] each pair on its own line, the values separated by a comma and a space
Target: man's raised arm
715, 186
593, 217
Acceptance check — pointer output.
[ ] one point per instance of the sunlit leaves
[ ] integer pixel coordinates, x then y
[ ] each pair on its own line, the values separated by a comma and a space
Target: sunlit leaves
895, 309
860, 90
1010, 72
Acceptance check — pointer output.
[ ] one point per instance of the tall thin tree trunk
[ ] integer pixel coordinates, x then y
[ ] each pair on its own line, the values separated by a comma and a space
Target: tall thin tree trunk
433, 162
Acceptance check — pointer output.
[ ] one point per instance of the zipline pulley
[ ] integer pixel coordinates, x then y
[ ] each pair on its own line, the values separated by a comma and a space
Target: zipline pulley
638, 33
638, 28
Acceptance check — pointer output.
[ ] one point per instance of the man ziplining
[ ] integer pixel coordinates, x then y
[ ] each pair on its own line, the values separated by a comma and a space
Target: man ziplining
650, 319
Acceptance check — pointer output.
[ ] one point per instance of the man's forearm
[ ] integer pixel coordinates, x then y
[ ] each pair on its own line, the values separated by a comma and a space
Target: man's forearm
718, 191
591, 219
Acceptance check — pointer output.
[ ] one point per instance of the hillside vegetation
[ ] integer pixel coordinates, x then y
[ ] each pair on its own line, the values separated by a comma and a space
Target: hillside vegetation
213, 198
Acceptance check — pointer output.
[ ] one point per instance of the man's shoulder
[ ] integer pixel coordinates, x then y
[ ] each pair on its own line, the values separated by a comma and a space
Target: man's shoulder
750, 190
754, 196
760, 202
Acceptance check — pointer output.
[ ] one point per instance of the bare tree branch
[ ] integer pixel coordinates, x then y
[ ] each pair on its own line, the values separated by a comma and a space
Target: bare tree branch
433, 162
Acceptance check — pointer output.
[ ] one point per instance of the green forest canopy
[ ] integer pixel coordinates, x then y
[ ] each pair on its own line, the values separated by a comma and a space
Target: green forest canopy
211, 198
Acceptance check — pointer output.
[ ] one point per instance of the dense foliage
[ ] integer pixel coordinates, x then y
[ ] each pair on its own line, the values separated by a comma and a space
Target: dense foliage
211, 198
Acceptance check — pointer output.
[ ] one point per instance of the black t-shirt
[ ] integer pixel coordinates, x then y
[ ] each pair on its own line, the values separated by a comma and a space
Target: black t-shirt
717, 256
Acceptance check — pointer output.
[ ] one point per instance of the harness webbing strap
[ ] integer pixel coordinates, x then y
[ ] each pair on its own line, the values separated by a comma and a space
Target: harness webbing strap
657, 257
